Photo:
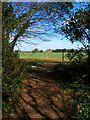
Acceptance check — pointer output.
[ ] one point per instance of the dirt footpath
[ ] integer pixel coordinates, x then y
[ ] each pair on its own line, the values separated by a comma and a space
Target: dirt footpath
40, 97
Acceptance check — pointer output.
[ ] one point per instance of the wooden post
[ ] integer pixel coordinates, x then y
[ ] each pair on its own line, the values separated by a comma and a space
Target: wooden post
62, 56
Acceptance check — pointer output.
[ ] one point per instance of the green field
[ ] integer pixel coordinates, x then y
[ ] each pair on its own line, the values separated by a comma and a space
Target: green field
44, 56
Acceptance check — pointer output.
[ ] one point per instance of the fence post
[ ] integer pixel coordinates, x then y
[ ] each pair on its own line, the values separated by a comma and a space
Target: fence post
62, 56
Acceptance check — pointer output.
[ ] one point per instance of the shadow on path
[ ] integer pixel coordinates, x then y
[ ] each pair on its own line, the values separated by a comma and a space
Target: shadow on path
40, 97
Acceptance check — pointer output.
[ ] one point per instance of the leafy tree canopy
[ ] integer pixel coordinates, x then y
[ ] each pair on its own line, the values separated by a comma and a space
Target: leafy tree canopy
76, 28
18, 17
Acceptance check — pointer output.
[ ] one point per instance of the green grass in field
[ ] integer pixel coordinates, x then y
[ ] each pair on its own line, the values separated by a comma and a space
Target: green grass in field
43, 55
56, 55
32, 55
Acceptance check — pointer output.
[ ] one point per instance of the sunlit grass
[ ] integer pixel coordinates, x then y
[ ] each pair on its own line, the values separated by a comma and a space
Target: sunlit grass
44, 56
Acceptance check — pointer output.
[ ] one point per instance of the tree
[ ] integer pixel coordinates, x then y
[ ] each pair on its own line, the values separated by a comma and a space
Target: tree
17, 21
77, 27
15, 24
41, 50
72, 50
21, 16
36, 50
64, 50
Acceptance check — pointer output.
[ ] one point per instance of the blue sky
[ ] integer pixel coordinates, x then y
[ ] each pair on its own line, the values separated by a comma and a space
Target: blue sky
55, 40
45, 45
50, 40
54, 43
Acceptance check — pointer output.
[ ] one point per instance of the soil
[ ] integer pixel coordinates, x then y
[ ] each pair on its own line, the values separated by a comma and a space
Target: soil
48, 58
40, 97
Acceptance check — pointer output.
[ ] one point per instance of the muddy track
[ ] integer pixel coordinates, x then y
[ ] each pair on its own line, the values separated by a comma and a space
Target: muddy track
40, 97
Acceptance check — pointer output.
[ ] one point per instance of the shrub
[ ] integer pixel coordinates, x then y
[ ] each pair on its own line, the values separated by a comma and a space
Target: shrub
81, 101
73, 71
12, 75
77, 56
76, 75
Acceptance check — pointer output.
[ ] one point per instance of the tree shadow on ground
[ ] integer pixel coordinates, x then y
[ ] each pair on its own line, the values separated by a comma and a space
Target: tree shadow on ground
40, 97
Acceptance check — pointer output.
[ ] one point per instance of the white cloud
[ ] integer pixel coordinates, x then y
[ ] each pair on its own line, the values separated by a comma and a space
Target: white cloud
52, 43
11, 37
54, 39
48, 43
69, 42
40, 25
33, 29
59, 43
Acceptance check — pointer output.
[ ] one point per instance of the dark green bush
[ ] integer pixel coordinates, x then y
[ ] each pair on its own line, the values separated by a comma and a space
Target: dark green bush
77, 56
12, 74
73, 71
81, 101
76, 75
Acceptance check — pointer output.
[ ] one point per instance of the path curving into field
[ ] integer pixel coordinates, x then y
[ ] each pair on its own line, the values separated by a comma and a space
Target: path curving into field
40, 97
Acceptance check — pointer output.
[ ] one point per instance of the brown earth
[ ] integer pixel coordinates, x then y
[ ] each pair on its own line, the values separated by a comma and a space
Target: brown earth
40, 97
59, 59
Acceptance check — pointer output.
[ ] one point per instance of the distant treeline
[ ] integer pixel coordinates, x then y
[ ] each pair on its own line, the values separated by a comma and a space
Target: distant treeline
67, 50
56, 50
